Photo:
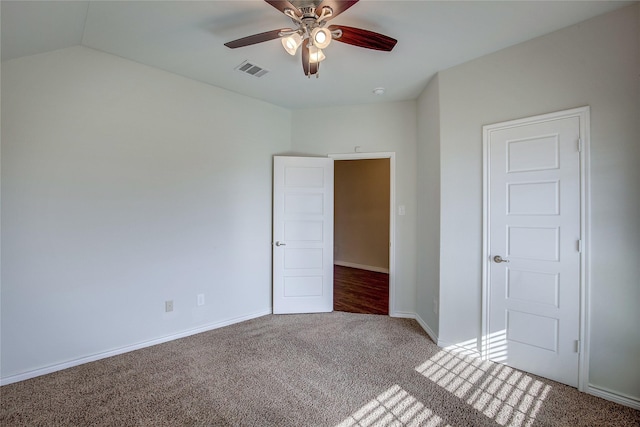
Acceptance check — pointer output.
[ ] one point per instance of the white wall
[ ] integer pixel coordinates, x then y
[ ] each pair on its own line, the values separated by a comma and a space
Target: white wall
594, 63
428, 280
124, 186
375, 128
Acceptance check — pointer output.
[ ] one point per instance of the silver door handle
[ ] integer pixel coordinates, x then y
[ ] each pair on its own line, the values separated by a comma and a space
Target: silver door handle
280, 244
499, 259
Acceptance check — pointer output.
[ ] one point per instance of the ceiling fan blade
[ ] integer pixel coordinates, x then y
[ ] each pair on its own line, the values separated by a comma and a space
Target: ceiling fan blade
308, 67
282, 5
256, 38
338, 6
364, 38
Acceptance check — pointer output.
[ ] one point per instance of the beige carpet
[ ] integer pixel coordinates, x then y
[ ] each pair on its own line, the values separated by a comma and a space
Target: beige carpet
335, 369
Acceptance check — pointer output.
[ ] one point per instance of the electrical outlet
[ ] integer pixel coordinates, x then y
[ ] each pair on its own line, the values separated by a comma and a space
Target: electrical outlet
168, 306
200, 299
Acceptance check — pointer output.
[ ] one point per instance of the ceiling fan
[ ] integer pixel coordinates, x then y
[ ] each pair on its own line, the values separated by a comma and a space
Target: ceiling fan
312, 34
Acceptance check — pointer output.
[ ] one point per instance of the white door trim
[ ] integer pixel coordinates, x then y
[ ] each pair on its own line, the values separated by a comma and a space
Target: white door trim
583, 114
392, 218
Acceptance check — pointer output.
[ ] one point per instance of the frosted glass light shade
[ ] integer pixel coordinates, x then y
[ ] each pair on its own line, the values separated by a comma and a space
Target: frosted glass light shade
321, 37
316, 55
291, 43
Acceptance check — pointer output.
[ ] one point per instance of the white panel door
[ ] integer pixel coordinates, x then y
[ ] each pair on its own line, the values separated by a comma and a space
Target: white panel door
303, 235
533, 210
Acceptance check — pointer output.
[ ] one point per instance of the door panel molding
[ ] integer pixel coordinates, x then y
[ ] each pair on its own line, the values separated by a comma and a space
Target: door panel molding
583, 116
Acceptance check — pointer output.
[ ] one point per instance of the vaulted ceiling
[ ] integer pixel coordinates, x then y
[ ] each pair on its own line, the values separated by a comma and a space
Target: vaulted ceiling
187, 38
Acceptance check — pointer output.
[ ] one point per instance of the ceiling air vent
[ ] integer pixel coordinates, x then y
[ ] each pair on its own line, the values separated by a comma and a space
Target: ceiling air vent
252, 69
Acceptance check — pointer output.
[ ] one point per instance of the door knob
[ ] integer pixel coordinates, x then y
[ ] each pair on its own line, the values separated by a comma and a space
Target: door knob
280, 244
499, 259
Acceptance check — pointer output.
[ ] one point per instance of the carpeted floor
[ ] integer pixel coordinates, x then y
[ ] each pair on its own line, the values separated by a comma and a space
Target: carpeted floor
335, 369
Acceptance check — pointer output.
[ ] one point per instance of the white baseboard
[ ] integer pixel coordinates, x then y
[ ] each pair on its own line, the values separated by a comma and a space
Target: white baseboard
403, 315
427, 329
126, 349
362, 266
614, 397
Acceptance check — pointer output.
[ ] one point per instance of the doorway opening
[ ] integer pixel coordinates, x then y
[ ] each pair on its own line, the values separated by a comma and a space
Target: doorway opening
362, 234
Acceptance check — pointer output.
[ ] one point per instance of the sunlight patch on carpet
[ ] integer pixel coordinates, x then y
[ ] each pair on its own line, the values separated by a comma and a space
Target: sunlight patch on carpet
509, 397
394, 407
493, 345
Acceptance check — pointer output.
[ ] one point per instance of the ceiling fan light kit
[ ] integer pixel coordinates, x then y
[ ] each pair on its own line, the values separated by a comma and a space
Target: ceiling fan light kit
316, 55
313, 34
321, 37
292, 43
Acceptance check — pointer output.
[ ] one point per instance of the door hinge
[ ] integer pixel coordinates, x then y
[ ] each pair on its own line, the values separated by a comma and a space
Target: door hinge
577, 346
579, 145
579, 246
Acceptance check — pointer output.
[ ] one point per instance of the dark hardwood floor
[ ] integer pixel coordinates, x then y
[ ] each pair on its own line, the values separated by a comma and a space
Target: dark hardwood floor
360, 291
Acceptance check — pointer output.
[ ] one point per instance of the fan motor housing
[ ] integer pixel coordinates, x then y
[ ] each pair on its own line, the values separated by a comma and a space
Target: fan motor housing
308, 12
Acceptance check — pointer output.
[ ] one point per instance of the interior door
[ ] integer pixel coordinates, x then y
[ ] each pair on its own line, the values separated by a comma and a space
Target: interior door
303, 235
533, 210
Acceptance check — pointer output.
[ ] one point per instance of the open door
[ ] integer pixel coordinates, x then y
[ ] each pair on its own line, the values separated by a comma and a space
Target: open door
302, 235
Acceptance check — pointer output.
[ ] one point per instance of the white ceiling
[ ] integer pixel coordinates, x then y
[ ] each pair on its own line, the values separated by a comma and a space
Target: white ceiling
187, 37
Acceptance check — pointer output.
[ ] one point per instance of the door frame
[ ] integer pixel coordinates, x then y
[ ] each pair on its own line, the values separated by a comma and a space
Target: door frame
583, 114
392, 218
